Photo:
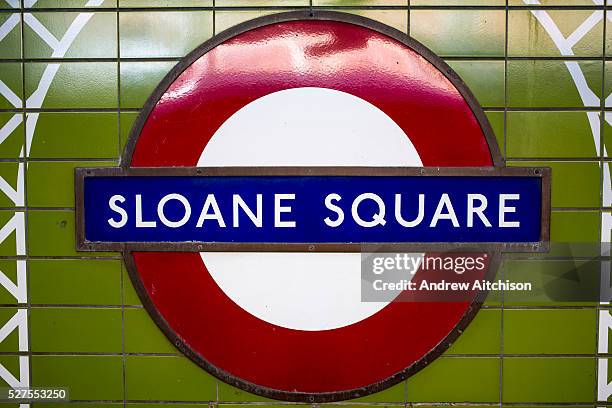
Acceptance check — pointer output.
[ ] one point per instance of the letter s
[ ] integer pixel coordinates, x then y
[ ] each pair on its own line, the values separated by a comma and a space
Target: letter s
480, 263
334, 208
112, 203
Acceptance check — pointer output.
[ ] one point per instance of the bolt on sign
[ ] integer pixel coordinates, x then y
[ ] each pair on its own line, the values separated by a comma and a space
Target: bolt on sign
259, 168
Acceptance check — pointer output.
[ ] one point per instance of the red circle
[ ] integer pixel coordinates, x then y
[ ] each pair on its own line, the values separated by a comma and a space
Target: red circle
330, 54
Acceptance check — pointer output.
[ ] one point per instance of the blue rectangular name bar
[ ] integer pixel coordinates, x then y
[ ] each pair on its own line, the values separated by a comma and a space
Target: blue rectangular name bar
316, 209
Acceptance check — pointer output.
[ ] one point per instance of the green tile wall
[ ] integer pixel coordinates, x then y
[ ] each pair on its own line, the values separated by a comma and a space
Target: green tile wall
59, 134
11, 75
101, 30
87, 329
547, 331
76, 85
481, 385
528, 38
72, 279
178, 379
473, 33
9, 268
556, 134
548, 379
54, 330
86, 376
163, 34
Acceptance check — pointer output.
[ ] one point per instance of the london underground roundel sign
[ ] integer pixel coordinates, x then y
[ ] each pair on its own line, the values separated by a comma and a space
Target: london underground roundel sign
258, 168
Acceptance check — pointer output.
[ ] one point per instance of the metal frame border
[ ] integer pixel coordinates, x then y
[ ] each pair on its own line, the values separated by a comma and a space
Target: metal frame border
540, 246
497, 159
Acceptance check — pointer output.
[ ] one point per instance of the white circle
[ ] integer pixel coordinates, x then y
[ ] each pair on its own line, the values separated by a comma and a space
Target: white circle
303, 127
